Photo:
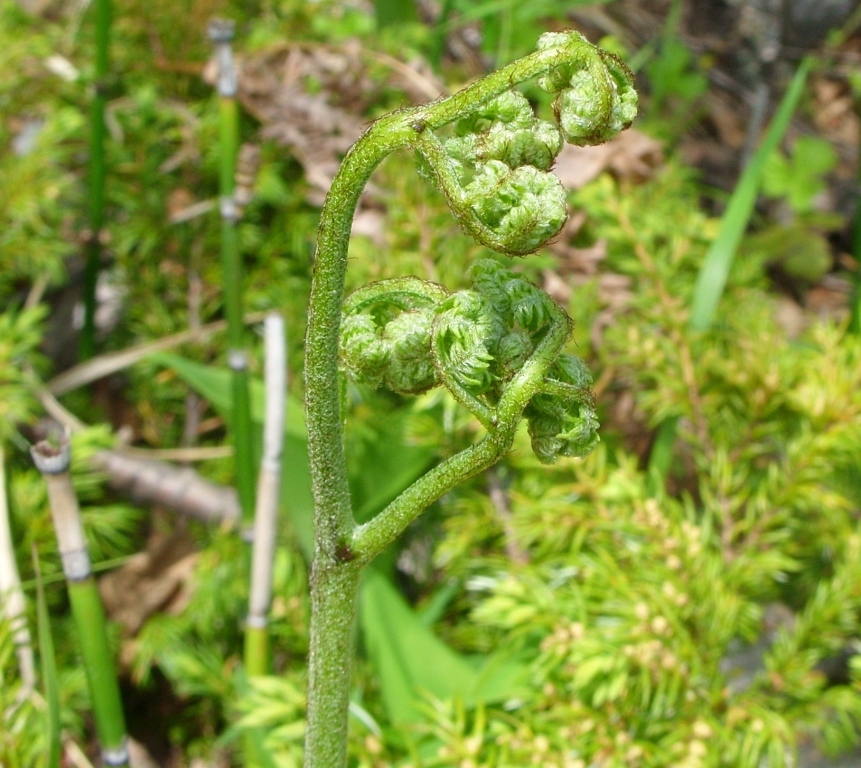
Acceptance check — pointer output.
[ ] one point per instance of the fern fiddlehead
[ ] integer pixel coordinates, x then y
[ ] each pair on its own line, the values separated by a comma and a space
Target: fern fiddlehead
472, 342
497, 347
385, 336
494, 173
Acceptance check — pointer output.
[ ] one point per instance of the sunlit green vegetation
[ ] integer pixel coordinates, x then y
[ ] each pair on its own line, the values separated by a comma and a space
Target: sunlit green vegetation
698, 609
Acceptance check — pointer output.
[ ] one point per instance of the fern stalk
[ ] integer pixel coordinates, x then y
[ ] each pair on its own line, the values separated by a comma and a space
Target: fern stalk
87, 609
508, 201
221, 32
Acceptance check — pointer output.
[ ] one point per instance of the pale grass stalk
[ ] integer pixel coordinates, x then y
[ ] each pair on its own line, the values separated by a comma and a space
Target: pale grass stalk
221, 32
268, 487
53, 461
11, 595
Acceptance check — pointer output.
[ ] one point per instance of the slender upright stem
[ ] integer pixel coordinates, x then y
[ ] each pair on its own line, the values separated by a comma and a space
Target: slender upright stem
855, 300
334, 590
96, 176
334, 580
266, 513
333, 515
221, 33
87, 610
11, 596
342, 548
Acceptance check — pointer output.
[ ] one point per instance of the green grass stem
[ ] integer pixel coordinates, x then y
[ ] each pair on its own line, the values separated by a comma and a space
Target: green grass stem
717, 263
96, 653
50, 679
96, 176
87, 610
221, 33
257, 650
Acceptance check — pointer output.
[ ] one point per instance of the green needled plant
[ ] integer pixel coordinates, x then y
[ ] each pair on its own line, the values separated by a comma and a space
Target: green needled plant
497, 348
716, 265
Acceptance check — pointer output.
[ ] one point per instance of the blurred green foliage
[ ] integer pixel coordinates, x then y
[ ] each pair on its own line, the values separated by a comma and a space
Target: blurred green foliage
800, 176
613, 622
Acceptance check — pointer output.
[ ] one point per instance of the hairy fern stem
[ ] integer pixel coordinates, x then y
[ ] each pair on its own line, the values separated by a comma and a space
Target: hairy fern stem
497, 348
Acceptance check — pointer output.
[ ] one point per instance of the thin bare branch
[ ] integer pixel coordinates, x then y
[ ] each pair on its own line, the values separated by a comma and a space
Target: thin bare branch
104, 365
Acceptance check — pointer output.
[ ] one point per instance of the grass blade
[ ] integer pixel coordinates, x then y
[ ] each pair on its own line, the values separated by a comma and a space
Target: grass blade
88, 613
50, 679
716, 265
712, 278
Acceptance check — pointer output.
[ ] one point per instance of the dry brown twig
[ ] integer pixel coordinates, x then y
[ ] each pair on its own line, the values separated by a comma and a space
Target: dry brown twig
136, 472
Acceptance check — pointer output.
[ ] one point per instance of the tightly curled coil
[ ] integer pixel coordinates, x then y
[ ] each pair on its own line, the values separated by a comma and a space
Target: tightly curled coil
411, 335
498, 343
385, 334
495, 170
595, 96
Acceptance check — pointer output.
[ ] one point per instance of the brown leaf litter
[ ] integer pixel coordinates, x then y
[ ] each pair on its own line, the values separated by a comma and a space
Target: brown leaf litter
316, 99
156, 580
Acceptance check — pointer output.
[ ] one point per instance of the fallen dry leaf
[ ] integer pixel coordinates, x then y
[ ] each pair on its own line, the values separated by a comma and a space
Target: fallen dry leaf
729, 124
315, 99
632, 156
834, 113
790, 316
559, 289
309, 99
151, 581
829, 300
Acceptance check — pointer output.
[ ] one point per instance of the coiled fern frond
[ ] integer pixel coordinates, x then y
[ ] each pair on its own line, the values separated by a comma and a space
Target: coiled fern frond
411, 335
495, 170
496, 347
